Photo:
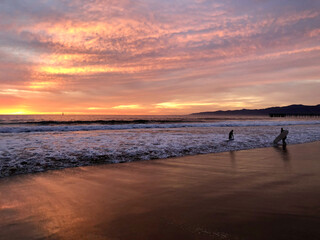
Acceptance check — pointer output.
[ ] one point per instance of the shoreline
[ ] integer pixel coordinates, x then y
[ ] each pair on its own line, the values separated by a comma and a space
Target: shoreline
103, 161
265, 193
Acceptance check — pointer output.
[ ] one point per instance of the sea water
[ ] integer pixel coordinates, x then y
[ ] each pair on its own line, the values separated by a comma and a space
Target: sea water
41, 142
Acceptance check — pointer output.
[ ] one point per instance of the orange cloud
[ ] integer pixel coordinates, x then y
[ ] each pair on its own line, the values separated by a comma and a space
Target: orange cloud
132, 106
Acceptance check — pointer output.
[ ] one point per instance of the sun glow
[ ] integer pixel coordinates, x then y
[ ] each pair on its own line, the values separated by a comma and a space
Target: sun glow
22, 111
14, 111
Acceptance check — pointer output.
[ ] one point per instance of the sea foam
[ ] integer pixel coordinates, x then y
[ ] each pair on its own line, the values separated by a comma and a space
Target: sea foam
34, 151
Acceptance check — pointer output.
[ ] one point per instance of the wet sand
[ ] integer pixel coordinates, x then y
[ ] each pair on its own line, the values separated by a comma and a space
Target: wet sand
267, 193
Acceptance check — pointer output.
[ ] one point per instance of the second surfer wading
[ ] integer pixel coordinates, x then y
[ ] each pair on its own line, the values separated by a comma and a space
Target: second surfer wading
231, 137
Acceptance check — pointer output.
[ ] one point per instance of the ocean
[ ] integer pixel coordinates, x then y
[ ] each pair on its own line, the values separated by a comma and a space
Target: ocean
35, 143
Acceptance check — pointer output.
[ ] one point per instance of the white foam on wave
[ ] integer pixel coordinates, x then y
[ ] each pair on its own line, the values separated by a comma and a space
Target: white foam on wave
96, 127
36, 151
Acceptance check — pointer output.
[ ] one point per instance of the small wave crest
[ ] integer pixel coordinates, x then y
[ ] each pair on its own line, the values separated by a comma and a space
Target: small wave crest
87, 122
61, 126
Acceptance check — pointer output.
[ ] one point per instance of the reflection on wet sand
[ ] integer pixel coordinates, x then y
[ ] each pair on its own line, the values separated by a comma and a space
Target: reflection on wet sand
233, 159
284, 154
196, 197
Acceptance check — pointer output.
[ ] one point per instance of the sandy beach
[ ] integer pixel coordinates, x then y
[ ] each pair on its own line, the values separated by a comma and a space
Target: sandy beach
266, 193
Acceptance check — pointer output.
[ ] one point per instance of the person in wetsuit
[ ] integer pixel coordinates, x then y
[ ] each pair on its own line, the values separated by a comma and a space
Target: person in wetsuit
231, 137
283, 139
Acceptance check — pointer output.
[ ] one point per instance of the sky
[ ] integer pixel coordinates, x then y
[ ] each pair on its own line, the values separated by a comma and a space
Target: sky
157, 57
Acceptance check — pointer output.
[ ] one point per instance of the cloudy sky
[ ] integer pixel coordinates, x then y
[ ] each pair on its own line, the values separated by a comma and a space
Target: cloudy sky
157, 57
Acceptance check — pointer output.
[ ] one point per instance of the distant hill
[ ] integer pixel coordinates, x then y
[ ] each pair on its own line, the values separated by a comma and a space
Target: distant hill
272, 111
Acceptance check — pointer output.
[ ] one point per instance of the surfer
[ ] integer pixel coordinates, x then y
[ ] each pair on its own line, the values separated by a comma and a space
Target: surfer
231, 137
283, 139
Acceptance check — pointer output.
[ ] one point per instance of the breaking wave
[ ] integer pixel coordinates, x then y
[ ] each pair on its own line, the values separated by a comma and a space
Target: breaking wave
61, 126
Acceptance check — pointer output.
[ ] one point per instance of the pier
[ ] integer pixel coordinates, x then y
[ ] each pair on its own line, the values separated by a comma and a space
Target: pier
293, 115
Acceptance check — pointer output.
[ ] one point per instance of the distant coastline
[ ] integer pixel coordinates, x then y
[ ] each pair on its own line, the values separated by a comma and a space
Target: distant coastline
291, 110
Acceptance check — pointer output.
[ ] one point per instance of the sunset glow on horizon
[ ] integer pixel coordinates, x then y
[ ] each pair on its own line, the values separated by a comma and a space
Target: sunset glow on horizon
157, 57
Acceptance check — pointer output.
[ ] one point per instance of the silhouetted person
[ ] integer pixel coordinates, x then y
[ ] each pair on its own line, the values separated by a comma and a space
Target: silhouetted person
283, 139
231, 137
